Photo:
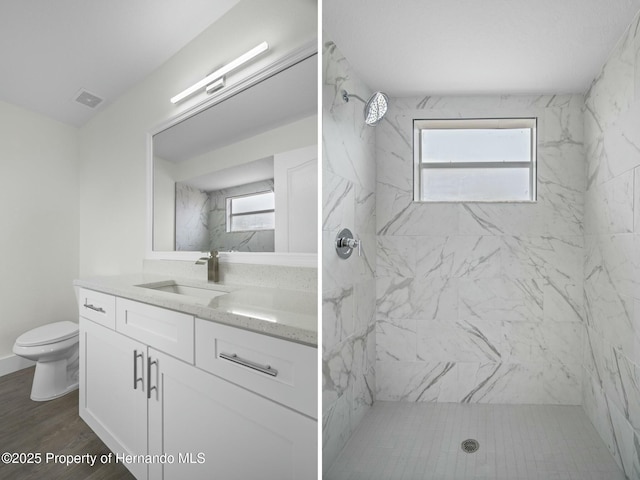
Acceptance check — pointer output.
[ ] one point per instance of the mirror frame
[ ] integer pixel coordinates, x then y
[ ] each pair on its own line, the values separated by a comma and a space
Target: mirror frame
260, 258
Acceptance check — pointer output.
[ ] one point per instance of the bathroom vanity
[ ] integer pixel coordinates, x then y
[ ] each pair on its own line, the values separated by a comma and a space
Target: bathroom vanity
188, 379
196, 380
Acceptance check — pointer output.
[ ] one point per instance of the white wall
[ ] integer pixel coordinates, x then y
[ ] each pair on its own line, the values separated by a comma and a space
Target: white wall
113, 144
39, 212
164, 204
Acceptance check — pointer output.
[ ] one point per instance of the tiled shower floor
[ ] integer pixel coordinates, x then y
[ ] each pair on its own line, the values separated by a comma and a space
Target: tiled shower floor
402, 441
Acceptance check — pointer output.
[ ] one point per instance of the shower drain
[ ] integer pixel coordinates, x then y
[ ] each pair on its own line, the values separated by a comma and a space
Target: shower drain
470, 445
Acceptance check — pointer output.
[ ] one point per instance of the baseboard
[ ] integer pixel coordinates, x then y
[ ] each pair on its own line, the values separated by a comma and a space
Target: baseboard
13, 363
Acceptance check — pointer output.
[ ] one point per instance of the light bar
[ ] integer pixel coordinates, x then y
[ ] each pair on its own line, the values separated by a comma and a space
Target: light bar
217, 85
221, 72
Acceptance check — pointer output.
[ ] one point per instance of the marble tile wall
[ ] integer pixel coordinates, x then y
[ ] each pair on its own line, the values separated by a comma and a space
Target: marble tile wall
611, 390
349, 286
220, 239
192, 207
480, 302
201, 221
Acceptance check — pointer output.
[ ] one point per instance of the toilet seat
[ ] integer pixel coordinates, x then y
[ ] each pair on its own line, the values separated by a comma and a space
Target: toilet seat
51, 333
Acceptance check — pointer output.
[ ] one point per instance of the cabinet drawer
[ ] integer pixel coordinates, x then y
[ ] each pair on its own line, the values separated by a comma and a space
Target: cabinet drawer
99, 307
166, 330
283, 371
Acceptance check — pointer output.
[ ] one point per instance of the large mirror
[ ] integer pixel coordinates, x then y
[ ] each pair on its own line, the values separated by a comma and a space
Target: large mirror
241, 174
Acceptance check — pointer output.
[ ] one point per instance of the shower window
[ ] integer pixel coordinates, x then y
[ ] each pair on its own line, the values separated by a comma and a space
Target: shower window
247, 213
475, 160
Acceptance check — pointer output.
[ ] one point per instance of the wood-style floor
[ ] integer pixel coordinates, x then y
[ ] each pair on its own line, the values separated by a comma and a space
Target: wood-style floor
54, 427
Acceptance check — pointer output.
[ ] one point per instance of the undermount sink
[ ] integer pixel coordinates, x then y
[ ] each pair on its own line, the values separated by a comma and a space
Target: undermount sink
187, 292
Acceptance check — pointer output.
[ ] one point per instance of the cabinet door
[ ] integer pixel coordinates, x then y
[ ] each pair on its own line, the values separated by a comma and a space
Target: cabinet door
215, 429
108, 401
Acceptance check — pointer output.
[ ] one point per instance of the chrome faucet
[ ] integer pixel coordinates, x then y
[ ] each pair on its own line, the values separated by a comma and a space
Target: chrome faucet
212, 265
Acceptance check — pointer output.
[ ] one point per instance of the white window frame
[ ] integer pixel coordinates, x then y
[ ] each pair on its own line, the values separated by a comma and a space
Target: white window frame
474, 123
229, 214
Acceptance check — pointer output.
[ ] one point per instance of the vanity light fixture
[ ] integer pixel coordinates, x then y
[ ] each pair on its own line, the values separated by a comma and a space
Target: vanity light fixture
212, 87
219, 74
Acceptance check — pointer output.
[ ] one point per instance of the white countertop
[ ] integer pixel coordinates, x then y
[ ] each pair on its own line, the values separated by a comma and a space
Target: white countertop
287, 314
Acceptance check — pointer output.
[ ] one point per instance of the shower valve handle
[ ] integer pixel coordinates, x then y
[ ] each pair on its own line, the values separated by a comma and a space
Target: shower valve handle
346, 243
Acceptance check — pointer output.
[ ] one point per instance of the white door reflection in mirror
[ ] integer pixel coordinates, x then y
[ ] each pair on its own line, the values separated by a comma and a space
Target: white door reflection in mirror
296, 188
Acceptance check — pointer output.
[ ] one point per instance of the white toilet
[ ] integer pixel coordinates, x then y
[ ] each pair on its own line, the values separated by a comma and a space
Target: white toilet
55, 349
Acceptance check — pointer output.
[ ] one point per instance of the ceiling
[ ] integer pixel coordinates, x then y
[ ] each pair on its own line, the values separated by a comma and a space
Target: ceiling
463, 47
250, 172
50, 50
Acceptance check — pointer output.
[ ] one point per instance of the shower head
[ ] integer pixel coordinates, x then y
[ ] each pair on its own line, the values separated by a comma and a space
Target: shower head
374, 108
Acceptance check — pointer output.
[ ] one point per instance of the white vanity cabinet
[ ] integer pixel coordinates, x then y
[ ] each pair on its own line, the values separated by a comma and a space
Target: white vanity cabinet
109, 403
235, 433
148, 396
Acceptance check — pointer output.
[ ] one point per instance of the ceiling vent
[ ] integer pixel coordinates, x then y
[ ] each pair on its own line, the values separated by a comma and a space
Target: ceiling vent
88, 99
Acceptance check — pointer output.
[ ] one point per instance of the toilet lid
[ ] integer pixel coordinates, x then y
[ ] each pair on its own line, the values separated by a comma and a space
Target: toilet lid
51, 333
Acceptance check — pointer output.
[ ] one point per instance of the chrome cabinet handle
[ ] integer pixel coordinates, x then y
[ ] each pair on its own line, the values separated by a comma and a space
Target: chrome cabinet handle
135, 369
94, 308
149, 387
247, 363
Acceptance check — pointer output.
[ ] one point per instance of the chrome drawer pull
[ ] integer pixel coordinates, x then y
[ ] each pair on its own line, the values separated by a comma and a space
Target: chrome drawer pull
94, 308
135, 369
149, 387
236, 359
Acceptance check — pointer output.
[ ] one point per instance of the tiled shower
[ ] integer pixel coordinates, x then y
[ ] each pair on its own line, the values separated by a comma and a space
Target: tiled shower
499, 304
